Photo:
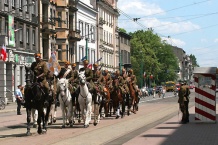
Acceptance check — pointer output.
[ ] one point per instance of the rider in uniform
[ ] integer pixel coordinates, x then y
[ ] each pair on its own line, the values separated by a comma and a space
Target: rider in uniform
89, 76
65, 73
97, 76
107, 79
74, 81
181, 102
121, 81
40, 70
125, 86
133, 79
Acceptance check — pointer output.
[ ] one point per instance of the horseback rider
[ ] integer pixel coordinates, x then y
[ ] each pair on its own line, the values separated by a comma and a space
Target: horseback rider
65, 73
107, 79
124, 76
121, 81
74, 81
40, 70
52, 81
133, 79
97, 76
89, 76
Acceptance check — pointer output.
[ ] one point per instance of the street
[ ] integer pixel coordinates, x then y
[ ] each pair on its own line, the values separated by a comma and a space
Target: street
152, 111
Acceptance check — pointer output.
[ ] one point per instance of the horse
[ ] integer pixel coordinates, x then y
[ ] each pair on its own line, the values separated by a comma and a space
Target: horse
34, 97
117, 99
85, 99
133, 95
65, 101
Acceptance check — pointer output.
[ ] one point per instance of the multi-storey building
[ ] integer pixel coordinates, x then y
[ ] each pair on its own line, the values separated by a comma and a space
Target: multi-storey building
86, 18
124, 45
18, 32
185, 69
107, 32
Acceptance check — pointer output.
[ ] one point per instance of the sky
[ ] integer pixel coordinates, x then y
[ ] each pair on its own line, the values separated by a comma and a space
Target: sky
190, 24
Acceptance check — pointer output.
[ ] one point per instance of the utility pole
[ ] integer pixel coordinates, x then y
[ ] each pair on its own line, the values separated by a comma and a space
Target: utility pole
120, 59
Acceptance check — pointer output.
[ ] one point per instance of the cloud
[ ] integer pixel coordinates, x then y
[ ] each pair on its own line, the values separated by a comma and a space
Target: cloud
174, 42
203, 40
216, 40
141, 9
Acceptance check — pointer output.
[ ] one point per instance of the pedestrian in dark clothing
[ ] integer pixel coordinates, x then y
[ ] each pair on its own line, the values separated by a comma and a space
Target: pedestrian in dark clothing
19, 98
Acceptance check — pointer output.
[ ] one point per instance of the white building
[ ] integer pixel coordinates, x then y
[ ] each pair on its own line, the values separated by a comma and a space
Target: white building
86, 19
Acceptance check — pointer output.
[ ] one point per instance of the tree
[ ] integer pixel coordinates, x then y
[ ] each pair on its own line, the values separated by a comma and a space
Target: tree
122, 30
194, 60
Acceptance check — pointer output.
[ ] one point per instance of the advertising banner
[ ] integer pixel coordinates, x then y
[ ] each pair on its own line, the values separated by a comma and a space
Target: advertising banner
11, 40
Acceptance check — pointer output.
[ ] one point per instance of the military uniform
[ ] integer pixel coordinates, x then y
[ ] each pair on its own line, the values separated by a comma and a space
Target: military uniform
40, 70
121, 82
181, 102
74, 80
125, 86
186, 102
133, 79
97, 76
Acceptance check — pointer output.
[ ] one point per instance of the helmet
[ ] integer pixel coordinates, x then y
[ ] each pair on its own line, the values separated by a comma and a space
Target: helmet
66, 62
117, 72
131, 71
73, 65
37, 55
85, 61
95, 65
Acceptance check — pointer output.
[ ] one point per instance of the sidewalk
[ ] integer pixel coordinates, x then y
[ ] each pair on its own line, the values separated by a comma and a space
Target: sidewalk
11, 107
171, 132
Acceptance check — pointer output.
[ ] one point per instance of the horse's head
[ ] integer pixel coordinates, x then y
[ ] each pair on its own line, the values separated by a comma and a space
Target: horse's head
82, 78
62, 85
37, 91
29, 75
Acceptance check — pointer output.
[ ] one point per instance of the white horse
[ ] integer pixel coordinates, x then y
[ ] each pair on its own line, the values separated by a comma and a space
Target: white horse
65, 101
85, 100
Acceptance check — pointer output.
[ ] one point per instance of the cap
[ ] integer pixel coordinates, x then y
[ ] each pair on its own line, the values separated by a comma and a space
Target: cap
66, 62
95, 65
130, 71
73, 65
85, 62
37, 55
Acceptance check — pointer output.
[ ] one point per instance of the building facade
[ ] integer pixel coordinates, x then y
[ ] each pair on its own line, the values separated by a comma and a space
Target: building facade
18, 32
86, 18
107, 33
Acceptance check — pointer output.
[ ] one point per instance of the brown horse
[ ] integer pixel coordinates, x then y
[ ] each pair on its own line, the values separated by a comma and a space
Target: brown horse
117, 99
133, 96
106, 100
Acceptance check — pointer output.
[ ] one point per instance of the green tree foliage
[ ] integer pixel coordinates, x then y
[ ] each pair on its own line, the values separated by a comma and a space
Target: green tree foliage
122, 30
194, 60
149, 54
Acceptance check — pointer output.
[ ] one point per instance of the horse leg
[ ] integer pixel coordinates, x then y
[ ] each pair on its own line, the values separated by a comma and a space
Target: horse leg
70, 114
88, 113
35, 117
96, 113
118, 111
50, 114
39, 119
44, 120
63, 115
55, 113
28, 112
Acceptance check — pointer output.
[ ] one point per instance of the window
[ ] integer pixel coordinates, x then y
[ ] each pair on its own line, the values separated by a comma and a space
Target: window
26, 6
6, 1
81, 28
34, 9
13, 3
33, 37
93, 56
20, 4
27, 35
51, 17
81, 53
6, 27
93, 32
0, 25
59, 22
67, 18
60, 52
67, 52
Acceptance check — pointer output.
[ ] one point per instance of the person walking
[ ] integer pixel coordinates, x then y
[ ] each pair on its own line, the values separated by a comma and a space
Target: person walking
164, 91
154, 91
19, 98
181, 101
186, 101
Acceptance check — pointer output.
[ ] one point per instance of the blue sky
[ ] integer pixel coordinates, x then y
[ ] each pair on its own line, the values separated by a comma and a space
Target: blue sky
191, 24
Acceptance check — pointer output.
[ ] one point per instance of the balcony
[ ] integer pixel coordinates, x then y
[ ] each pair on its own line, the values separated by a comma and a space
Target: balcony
48, 28
74, 35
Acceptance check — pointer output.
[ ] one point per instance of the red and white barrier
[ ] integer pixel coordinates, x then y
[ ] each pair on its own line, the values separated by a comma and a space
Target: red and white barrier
205, 97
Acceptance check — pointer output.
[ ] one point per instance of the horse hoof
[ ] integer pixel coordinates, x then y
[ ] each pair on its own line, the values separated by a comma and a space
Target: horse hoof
44, 131
34, 125
63, 126
67, 124
117, 117
28, 133
95, 124
79, 121
86, 126
39, 131
49, 123
71, 125
54, 120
